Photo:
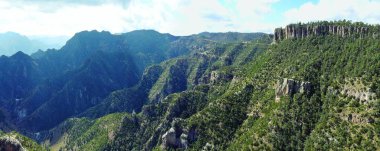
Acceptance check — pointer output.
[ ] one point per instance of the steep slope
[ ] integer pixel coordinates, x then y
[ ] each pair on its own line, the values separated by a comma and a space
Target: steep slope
159, 87
128, 99
77, 50
18, 74
91, 65
81, 91
318, 92
315, 88
328, 114
176, 75
85, 134
83, 72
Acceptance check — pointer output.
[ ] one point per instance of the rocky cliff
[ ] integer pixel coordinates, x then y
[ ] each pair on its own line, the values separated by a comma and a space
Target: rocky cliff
289, 87
341, 29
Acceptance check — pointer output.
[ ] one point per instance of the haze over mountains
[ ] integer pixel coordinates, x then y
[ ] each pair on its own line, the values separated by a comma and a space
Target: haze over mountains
12, 42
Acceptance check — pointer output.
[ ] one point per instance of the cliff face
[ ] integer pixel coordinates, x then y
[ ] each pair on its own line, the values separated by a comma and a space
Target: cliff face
314, 29
290, 87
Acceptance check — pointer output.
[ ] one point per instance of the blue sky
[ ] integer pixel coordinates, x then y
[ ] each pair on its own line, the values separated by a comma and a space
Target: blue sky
178, 17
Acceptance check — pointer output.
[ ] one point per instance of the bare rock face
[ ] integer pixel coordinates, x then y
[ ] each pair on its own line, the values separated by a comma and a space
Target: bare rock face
8, 143
289, 87
170, 140
217, 77
300, 31
176, 138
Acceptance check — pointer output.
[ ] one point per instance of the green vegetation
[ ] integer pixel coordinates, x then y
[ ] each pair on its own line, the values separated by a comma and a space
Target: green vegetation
227, 92
224, 98
25, 142
86, 134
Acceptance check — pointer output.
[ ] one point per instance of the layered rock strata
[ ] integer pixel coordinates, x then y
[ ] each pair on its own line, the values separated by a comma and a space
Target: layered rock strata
300, 31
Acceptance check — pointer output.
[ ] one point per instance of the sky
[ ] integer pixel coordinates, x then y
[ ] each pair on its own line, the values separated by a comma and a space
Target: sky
178, 17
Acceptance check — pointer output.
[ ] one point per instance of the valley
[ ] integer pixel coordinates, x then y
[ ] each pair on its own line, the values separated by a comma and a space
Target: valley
307, 86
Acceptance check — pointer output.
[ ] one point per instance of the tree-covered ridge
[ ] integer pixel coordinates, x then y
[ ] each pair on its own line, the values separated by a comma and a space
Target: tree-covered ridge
84, 72
193, 73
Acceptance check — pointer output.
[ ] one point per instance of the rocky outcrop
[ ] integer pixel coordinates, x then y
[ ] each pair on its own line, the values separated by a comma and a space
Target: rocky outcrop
177, 137
170, 139
355, 89
218, 77
8, 143
289, 87
300, 31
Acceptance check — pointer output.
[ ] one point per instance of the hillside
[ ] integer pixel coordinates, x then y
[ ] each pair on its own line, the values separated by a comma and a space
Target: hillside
54, 85
316, 92
309, 86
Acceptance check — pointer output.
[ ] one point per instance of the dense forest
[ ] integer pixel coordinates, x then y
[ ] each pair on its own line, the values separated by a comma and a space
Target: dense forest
308, 86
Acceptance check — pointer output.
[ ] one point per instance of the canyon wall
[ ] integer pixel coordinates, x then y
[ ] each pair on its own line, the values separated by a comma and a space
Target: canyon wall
300, 31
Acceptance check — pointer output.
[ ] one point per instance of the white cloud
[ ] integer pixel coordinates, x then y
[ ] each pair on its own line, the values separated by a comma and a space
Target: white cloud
179, 17
31, 20
356, 10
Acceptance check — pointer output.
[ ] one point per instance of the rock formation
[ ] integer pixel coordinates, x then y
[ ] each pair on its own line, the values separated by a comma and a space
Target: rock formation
217, 77
300, 31
170, 139
8, 143
290, 87
176, 137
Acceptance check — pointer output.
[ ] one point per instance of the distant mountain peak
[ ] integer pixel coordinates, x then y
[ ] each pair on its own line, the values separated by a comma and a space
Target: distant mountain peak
20, 55
86, 40
90, 34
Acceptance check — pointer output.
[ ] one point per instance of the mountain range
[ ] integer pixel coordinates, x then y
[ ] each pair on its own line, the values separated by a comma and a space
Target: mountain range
12, 42
311, 86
